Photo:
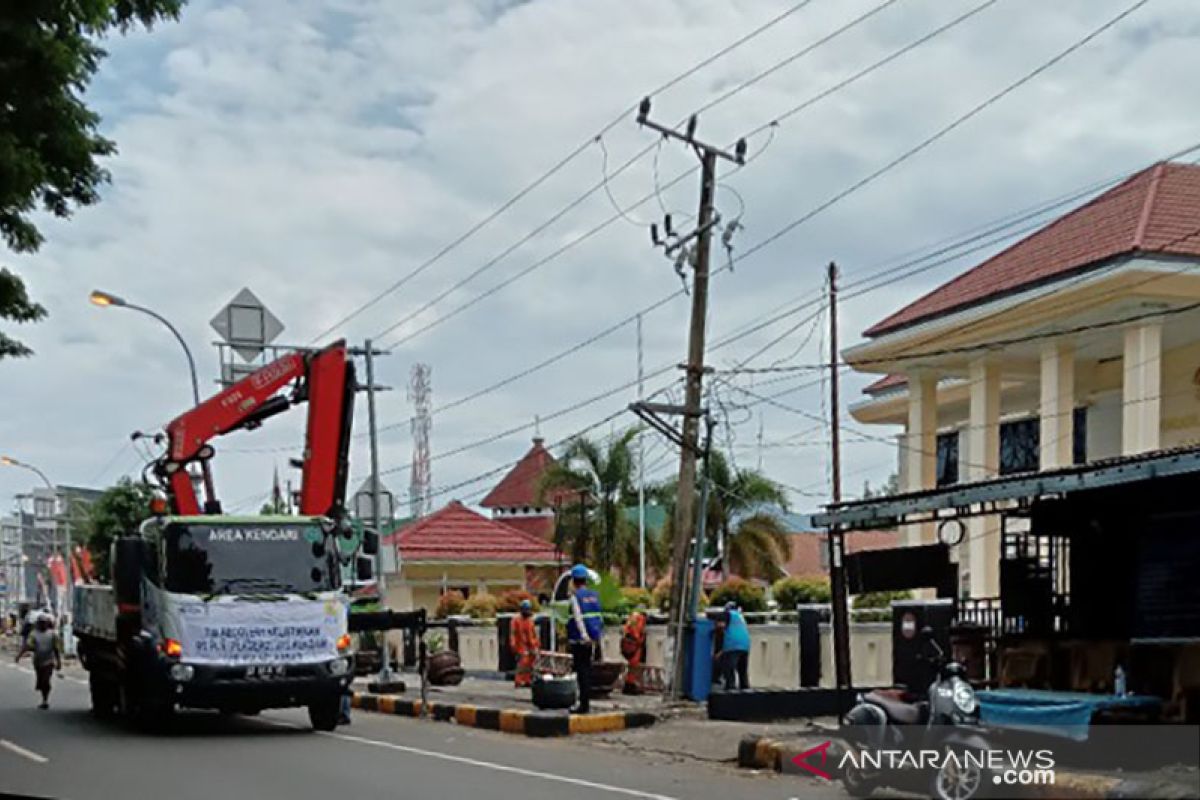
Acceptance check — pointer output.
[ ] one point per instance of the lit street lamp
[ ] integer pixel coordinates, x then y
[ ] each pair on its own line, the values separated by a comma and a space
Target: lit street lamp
104, 299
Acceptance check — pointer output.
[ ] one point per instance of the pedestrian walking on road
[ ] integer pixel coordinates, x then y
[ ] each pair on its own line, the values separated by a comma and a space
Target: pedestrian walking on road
584, 631
46, 647
735, 649
523, 641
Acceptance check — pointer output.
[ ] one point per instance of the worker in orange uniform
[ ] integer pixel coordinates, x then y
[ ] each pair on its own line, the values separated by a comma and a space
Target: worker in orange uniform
523, 640
633, 648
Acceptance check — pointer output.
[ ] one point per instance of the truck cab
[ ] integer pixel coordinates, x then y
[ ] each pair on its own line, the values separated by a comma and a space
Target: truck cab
231, 613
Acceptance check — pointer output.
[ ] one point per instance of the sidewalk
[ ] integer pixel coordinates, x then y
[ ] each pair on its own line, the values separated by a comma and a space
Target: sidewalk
500, 693
495, 704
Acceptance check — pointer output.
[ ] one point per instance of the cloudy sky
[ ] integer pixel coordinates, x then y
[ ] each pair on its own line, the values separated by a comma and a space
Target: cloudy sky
318, 151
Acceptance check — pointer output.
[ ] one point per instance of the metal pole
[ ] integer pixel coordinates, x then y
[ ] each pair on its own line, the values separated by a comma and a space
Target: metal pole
385, 667
686, 498
210, 492
837, 574
641, 467
701, 525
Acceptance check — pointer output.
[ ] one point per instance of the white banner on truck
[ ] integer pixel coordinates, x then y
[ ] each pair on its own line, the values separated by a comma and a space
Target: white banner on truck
281, 632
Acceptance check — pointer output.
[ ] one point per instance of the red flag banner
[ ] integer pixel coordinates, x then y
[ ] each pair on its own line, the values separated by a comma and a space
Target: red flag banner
58, 570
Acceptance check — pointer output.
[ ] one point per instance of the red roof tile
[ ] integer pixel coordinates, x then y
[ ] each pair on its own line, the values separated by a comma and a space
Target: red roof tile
519, 487
540, 527
1154, 211
891, 381
456, 533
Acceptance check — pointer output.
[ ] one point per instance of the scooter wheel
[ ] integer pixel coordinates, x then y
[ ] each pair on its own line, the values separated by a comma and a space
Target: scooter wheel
954, 782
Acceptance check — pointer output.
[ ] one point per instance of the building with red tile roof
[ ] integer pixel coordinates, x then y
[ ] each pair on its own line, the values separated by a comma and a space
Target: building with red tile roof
1152, 212
457, 548
1080, 342
515, 499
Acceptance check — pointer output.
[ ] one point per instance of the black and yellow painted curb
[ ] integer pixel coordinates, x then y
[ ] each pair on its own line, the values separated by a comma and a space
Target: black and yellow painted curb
759, 752
540, 724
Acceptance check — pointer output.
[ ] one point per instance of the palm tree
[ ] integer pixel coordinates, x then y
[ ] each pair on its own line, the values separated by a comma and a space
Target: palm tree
601, 474
739, 522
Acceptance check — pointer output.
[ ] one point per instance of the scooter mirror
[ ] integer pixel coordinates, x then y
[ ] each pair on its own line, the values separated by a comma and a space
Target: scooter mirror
927, 633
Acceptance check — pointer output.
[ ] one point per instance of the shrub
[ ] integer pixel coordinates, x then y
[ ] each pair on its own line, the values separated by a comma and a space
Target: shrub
481, 606
748, 596
661, 596
634, 597
791, 592
510, 601
880, 599
450, 603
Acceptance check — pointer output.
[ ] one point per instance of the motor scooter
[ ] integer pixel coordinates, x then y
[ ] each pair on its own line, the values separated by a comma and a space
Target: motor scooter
940, 730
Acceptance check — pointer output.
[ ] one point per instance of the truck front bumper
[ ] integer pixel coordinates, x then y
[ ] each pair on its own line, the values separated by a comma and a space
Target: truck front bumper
253, 689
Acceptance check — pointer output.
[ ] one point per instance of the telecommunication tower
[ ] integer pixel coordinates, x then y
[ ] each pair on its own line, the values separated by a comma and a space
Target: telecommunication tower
420, 394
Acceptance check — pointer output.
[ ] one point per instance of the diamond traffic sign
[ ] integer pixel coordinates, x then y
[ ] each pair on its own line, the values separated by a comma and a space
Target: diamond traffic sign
246, 325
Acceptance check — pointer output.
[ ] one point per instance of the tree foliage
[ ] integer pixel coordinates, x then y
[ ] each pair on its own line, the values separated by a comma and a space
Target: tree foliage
118, 512
601, 475
50, 142
740, 504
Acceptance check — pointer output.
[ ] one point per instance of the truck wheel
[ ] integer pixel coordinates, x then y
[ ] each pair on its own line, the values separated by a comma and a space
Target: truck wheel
324, 713
104, 696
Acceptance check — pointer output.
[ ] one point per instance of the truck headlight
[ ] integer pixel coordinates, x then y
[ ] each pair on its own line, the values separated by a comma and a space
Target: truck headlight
182, 673
339, 666
964, 697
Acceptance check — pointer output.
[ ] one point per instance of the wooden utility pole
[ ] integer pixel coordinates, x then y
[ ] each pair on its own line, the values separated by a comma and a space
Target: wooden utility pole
837, 550
707, 219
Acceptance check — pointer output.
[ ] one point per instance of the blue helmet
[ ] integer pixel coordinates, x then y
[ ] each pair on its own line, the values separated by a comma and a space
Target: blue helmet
579, 572
526, 605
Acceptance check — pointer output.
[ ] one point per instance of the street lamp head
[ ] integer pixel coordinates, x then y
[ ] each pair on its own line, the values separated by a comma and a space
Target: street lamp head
100, 298
8, 462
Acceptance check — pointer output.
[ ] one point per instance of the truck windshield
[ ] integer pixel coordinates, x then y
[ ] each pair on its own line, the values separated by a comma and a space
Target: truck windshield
247, 558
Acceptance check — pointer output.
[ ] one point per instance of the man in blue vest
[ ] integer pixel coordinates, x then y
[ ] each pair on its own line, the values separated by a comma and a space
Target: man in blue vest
584, 631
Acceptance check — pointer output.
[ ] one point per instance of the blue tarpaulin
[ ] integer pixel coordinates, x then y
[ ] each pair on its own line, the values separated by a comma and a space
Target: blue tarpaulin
1066, 714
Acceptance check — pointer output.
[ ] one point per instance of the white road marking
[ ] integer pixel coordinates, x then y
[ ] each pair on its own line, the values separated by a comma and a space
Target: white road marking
529, 773
62, 675
21, 751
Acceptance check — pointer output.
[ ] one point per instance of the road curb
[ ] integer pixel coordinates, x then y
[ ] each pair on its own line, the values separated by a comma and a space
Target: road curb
760, 752
539, 724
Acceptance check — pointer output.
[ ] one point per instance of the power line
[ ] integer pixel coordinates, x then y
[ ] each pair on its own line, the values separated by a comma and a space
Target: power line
623, 213
945, 130
557, 167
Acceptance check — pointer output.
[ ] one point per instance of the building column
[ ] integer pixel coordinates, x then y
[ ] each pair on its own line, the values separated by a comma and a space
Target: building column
920, 447
1057, 423
983, 461
1142, 388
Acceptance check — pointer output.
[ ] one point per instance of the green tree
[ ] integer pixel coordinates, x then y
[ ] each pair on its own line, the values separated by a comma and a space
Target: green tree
119, 511
755, 542
50, 140
605, 474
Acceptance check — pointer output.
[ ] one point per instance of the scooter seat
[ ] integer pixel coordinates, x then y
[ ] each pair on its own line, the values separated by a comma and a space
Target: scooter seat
897, 711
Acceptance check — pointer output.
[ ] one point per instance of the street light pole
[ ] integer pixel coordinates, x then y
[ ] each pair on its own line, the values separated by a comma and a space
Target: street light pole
106, 299
65, 552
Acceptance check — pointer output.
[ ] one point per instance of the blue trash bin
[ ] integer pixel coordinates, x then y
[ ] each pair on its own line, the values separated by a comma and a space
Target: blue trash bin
698, 659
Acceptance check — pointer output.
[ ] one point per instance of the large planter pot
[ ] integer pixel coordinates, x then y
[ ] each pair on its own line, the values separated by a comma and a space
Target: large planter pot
445, 668
551, 692
605, 675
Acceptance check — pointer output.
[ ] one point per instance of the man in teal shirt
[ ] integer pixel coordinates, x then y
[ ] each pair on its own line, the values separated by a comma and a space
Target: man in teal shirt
735, 650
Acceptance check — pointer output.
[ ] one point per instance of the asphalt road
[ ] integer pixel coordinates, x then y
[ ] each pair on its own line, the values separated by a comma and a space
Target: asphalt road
65, 753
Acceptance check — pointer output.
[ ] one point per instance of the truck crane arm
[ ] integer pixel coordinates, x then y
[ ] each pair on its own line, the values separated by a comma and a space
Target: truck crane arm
324, 378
